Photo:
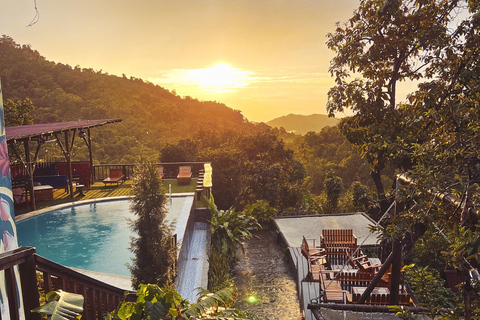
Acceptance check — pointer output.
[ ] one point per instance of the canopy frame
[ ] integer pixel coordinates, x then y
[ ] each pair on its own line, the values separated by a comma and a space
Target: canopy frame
42, 133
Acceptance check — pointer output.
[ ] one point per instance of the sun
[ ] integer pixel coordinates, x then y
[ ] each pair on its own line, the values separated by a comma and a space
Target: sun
219, 78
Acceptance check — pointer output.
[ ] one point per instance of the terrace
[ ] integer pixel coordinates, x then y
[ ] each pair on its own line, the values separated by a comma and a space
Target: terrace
98, 190
101, 294
332, 259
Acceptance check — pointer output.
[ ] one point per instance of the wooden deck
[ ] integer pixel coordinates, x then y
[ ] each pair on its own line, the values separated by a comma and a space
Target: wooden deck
98, 190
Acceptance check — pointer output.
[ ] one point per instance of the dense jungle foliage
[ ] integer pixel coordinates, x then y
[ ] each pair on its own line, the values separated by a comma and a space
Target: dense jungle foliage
431, 137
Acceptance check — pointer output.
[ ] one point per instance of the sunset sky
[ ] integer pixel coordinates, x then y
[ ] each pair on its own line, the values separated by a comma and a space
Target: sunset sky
267, 58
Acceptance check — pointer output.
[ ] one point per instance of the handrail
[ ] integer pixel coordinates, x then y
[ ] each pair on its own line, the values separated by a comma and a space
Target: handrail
101, 171
99, 297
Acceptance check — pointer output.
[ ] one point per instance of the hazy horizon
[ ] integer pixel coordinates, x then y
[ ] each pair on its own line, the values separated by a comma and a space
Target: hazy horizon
264, 58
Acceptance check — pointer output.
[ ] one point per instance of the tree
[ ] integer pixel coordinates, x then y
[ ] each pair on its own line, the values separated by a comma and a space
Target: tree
248, 166
434, 137
154, 251
447, 159
229, 228
333, 189
359, 196
18, 113
385, 42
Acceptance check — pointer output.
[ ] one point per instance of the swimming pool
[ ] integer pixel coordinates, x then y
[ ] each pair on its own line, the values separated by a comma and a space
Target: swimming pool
93, 236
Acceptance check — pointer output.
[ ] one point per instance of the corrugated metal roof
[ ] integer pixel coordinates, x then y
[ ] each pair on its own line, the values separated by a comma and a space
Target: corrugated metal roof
45, 129
294, 228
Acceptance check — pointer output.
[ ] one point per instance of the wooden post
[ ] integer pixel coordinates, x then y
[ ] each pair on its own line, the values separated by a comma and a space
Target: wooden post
396, 268
69, 163
29, 282
30, 169
90, 151
376, 279
12, 293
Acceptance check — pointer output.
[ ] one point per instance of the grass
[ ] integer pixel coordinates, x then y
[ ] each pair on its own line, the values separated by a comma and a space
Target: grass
98, 190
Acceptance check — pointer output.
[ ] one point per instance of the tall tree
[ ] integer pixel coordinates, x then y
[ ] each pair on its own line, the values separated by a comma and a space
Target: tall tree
434, 136
448, 160
385, 42
333, 188
155, 254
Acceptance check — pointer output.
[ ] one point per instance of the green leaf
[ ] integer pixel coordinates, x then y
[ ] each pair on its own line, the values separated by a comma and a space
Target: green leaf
126, 310
62, 305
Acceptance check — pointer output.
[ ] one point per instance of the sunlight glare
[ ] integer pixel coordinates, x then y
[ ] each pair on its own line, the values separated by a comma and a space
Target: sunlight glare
220, 78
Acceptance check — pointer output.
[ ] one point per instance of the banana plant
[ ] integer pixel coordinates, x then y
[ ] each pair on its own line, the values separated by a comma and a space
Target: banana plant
62, 305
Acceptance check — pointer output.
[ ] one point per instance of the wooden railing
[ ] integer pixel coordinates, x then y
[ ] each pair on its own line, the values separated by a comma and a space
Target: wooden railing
170, 169
99, 297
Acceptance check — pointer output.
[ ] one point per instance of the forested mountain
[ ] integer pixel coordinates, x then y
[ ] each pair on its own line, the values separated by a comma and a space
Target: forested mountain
301, 124
152, 116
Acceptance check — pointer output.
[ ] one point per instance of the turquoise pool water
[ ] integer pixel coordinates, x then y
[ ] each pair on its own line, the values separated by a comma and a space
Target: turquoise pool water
93, 236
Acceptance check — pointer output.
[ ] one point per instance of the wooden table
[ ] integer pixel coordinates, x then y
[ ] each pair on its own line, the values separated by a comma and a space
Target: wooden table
79, 188
43, 193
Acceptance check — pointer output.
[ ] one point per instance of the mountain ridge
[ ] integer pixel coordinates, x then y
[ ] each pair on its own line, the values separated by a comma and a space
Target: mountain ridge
152, 116
301, 124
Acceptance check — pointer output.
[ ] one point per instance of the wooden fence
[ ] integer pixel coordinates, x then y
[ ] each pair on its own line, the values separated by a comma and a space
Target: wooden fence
39, 274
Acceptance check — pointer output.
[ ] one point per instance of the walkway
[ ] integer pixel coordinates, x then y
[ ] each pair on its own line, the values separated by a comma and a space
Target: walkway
265, 284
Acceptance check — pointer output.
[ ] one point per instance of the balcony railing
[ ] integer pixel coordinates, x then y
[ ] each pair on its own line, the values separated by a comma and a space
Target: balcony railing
170, 169
99, 297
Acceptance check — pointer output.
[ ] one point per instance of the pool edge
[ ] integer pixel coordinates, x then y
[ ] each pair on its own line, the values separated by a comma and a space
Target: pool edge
80, 202
64, 205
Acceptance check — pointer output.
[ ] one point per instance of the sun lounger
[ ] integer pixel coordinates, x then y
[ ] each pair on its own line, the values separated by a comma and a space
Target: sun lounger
184, 174
116, 176
160, 172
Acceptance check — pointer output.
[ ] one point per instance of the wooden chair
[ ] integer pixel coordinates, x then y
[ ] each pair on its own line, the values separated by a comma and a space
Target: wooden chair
116, 176
364, 265
316, 259
312, 249
338, 238
85, 179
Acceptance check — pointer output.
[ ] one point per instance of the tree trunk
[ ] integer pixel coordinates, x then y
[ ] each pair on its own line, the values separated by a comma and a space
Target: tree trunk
382, 200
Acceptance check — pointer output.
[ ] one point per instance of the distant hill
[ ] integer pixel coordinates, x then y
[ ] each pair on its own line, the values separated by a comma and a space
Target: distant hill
300, 124
152, 116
